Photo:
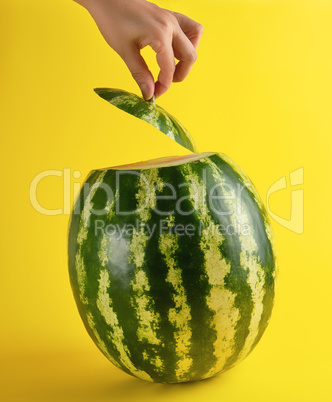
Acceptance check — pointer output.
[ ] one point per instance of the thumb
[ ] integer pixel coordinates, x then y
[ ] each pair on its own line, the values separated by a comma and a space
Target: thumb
140, 72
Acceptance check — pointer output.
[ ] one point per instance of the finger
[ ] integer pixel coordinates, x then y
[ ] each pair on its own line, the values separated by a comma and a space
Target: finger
166, 62
140, 72
192, 29
185, 52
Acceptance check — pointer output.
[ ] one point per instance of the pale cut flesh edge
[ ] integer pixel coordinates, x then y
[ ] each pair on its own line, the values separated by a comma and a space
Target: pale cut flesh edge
162, 162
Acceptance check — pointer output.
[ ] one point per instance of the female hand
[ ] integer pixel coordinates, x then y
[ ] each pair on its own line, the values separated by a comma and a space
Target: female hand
130, 25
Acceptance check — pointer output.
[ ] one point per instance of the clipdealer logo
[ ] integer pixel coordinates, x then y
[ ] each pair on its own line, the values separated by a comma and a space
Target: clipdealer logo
296, 221
296, 181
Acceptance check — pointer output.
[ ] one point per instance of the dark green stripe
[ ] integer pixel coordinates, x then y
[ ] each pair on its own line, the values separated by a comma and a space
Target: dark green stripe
196, 283
236, 280
190, 259
264, 255
122, 293
89, 253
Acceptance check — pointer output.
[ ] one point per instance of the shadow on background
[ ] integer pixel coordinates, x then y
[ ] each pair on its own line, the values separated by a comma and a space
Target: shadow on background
72, 376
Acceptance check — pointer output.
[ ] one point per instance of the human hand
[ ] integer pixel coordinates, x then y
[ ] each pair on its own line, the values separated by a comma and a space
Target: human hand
130, 25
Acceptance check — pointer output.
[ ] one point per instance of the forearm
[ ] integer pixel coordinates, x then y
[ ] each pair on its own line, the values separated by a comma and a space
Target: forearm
92, 4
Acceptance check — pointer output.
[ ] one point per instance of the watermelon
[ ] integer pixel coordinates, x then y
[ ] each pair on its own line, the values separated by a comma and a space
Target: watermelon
172, 265
149, 112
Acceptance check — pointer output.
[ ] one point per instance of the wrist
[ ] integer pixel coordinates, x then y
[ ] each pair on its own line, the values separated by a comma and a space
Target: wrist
88, 4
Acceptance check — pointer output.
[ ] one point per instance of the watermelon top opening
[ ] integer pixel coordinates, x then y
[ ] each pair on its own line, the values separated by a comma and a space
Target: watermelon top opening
162, 162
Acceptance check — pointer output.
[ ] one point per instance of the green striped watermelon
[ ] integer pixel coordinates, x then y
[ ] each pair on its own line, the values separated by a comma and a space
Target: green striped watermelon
172, 265
149, 112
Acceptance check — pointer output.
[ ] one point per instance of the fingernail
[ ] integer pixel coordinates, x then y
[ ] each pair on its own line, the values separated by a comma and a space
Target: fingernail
145, 91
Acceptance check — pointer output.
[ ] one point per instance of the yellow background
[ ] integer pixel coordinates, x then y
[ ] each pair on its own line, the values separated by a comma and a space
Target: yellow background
260, 92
